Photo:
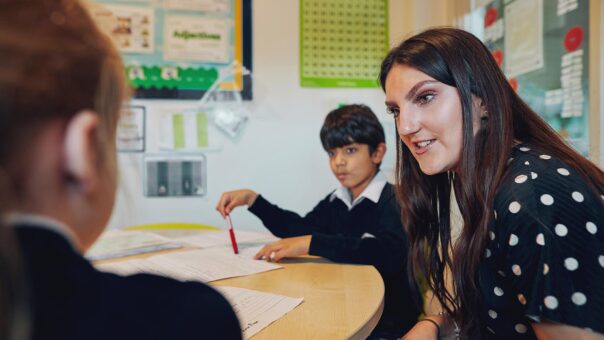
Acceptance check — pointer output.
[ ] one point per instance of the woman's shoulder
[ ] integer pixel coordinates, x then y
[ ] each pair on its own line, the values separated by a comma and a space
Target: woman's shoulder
540, 187
533, 171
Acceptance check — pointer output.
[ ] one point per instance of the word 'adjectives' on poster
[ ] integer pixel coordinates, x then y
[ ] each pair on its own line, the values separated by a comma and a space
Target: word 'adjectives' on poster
197, 39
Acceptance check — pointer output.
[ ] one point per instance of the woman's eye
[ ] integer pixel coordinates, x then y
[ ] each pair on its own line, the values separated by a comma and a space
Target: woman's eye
424, 98
392, 111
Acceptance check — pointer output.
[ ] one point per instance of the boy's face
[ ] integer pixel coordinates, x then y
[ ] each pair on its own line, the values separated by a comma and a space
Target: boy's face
354, 166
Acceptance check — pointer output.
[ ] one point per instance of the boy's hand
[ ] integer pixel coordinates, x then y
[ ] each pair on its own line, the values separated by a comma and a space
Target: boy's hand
287, 247
231, 199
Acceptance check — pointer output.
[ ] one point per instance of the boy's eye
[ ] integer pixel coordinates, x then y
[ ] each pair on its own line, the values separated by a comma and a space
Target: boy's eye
392, 111
424, 98
351, 149
331, 154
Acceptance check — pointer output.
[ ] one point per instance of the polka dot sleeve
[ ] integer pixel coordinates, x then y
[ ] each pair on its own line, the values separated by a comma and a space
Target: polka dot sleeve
548, 245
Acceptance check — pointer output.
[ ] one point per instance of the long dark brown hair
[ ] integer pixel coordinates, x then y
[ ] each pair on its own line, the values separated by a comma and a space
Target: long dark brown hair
457, 58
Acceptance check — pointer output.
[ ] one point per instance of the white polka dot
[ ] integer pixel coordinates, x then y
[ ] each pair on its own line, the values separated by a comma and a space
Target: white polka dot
487, 253
495, 213
571, 263
601, 260
498, 291
520, 328
492, 235
527, 163
547, 199
492, 314
524, 148
545, 156
561, 230
522, 299
533, 175
513, 240
521, 179
591, 227
516, 270
490, 330
510, 160
545, 269
551, 302
514, 207
500, 272
579, 298
602, 197
540, 239
577, 196
563, 172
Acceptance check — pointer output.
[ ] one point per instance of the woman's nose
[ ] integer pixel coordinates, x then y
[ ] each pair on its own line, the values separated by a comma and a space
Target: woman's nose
407, 123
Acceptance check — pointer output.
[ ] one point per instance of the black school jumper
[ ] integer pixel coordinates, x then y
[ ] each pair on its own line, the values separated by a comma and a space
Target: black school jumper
370, 233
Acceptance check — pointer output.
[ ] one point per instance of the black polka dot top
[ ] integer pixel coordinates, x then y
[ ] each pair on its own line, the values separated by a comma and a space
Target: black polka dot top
545, 256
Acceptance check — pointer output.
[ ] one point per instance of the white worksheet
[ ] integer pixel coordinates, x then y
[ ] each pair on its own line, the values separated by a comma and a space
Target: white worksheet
257, 310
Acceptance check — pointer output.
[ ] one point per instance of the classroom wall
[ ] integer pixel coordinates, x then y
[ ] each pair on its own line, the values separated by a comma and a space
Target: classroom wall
279, 153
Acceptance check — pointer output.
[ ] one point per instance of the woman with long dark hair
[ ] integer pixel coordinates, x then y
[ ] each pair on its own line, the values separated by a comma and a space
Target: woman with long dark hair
523, 257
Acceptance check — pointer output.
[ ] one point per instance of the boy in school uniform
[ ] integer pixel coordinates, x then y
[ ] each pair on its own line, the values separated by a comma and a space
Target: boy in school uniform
61, 89
359, 222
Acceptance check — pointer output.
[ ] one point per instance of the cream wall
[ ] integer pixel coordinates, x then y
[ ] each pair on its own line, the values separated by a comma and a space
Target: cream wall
279, 153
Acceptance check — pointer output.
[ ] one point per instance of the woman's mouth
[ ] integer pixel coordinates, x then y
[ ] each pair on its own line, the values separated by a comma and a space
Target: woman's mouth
423, 146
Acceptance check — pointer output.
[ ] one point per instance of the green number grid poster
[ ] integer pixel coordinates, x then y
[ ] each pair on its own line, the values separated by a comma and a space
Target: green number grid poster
342, 42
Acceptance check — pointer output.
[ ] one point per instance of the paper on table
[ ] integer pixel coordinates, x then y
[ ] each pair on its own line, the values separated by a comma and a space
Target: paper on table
118, 243
203, 265
257, 310
209, 239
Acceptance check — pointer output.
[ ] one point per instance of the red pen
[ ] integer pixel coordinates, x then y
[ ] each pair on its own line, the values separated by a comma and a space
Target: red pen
232, 234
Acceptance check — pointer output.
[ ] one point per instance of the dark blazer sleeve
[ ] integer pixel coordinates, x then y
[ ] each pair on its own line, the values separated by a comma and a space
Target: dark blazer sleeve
284, 223
385, 248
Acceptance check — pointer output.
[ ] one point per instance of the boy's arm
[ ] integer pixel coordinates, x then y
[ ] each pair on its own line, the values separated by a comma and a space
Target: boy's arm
284, 223
385, 247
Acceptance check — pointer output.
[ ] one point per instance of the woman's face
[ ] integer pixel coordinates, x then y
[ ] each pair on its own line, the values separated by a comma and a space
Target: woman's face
428, 117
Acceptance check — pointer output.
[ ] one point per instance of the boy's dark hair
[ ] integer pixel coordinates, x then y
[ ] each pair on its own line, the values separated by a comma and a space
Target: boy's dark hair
352, 124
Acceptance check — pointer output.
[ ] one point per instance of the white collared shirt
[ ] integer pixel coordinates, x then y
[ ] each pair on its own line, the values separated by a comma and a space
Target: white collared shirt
43, 222
372, 192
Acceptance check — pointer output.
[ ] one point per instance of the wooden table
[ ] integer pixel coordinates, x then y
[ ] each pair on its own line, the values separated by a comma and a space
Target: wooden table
341, 301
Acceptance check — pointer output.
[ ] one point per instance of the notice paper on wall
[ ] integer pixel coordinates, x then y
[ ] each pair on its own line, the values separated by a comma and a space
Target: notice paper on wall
257, 310
523, 37
203, 265
184, 130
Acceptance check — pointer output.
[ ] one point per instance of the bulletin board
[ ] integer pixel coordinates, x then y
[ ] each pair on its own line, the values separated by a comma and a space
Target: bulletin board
542, 46
177, 49
342, 42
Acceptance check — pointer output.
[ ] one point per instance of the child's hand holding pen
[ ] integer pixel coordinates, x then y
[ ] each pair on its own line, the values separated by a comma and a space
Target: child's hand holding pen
231, 199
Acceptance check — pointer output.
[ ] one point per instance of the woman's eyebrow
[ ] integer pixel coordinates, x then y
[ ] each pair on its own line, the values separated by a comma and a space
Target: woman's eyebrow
416, 87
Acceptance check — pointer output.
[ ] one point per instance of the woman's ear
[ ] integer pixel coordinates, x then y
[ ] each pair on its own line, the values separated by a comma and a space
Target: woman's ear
378, 153
80, 150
